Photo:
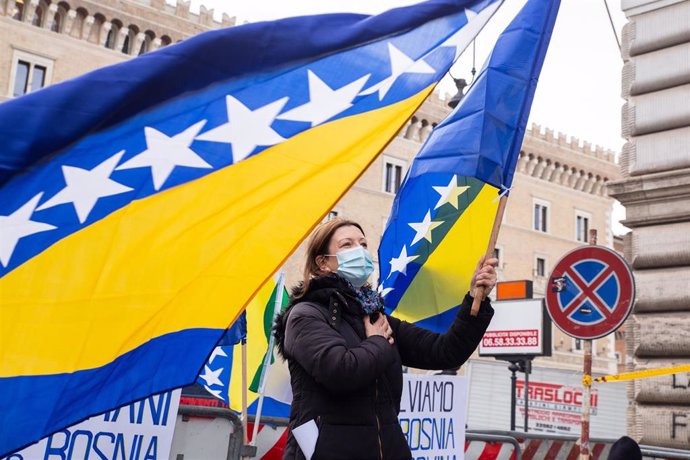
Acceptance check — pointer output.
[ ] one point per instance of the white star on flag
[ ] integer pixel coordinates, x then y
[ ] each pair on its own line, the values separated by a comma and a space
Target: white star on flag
400, 64
383, 291
18, 225
424, 228
324, 102
450, 193
218, 351
246, 129
164, 153
84, 187
215, 393
211, 377
475, 22
399, 264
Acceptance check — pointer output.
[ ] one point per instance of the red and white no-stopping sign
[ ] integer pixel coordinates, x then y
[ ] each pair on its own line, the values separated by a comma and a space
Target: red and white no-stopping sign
590, 293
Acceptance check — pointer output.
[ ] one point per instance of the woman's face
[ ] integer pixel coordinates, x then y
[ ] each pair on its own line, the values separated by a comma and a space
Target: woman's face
346, 237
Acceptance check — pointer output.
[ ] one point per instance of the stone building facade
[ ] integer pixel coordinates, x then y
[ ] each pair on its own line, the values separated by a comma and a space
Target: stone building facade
44, 42
655, 191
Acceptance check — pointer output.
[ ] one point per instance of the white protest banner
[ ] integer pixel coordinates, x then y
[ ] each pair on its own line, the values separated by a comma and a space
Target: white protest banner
142, 430
433, 411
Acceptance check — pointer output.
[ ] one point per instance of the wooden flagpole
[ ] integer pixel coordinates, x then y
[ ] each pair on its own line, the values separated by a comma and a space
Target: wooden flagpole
479, 291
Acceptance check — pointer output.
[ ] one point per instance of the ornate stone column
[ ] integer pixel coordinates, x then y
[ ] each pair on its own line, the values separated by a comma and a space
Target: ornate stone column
565, 177
138, 40
522, 163
540, 168
6, 8
155, 44
424, 131
413, 131
556, 176
69, 22
548, 171
105, 30
120, 39
29, 10
50, 16
87, 29
531, 165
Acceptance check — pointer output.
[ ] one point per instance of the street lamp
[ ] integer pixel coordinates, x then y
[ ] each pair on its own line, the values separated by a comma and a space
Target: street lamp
460, 84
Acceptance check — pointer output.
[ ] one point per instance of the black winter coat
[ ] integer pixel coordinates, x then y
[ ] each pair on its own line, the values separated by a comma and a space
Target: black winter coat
350, 384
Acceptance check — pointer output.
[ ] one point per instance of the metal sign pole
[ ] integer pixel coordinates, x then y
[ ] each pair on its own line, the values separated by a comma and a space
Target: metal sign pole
513, 368
528, 369
587, 382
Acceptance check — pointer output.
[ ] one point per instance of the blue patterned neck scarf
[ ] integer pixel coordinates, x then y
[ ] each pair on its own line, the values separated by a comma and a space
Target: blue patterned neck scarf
369, 299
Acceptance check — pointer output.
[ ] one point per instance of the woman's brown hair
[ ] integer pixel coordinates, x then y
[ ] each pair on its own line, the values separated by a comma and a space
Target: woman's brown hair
317, 246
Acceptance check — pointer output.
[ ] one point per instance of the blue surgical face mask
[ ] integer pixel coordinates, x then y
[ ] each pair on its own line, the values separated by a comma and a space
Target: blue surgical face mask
355, 265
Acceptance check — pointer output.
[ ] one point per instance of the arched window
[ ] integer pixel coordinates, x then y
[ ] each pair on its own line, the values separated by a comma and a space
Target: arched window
18, 11
97, 29
111, 40
130, 39
78, 25
38, 17
57, 23
125, 45
146, 43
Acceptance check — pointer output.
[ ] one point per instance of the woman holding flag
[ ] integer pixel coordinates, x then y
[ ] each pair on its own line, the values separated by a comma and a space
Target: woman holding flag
346, 355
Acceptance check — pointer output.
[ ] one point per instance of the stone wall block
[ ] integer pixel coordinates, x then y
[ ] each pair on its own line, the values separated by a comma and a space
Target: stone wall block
657, 70
663, 335
658, 111
664, 426
659, 152
661, 246
661, 28
663, 289
665, 389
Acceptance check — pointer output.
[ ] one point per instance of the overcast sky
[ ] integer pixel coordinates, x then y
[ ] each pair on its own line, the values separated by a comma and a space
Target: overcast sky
579, 88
